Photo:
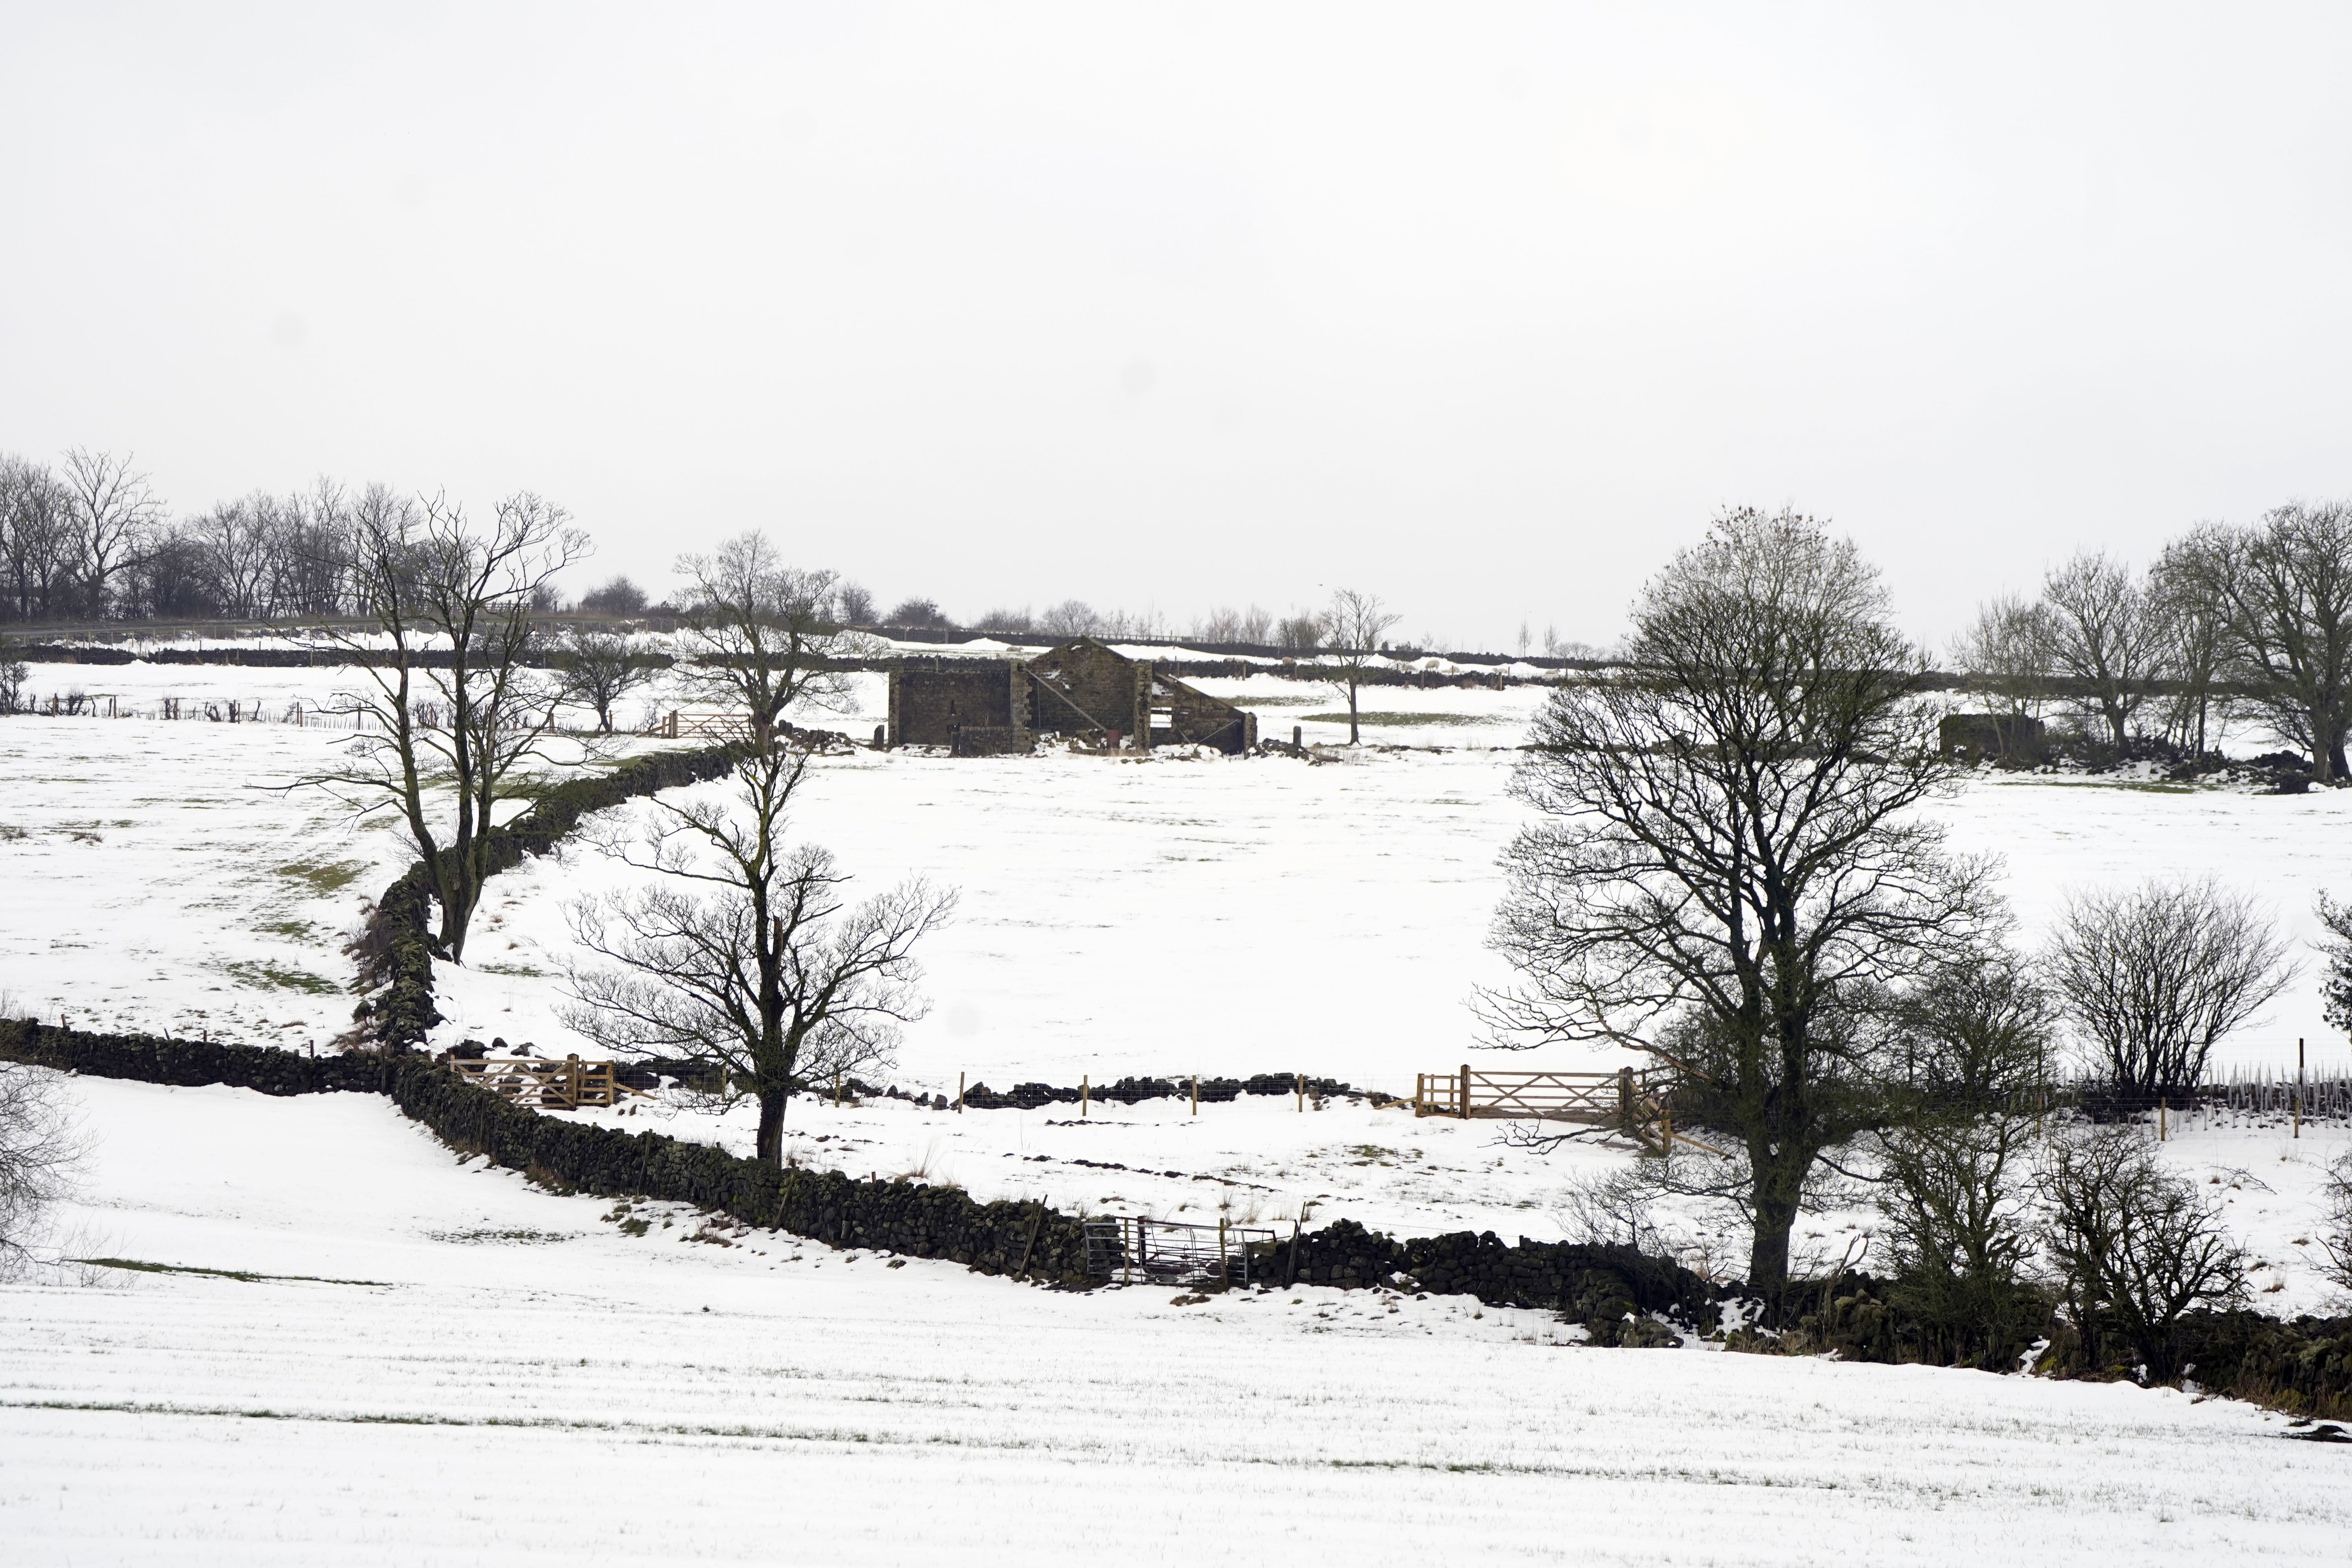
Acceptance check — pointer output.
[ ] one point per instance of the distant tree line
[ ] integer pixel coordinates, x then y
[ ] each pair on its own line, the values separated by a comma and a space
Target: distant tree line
2252, 620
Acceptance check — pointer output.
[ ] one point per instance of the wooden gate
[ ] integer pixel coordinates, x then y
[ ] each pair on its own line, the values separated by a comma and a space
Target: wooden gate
566, 1085
1626, 1100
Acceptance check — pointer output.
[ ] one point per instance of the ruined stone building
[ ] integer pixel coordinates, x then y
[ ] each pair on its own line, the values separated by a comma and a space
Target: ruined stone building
983, 707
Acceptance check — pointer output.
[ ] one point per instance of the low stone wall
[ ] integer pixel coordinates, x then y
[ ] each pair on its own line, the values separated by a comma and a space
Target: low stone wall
398, 961
1128, 1090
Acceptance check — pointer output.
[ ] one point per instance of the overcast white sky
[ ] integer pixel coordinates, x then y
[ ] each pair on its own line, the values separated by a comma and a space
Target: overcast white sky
1484, 308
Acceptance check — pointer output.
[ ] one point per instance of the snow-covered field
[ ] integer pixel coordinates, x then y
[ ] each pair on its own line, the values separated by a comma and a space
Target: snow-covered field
1168, 917
480, 1373
521, 1381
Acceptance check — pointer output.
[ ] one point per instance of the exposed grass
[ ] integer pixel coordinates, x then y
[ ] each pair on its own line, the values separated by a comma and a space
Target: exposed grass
291, 930
323, 877
1374, 721
518, 971
278, 977
140, 1266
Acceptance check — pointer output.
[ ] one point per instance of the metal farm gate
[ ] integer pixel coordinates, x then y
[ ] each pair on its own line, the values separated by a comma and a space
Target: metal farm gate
1134, 1250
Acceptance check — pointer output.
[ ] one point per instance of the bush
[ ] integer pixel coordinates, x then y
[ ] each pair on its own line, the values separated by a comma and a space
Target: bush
2135, 1250
1955, 1215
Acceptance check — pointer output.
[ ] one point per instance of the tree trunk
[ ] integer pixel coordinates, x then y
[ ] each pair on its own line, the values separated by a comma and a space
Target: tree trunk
770, 1147
1767, 1253
1352, 710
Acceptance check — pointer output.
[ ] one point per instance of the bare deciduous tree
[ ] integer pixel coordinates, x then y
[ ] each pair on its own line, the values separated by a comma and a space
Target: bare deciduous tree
2102, 638
38, 1145
2005, 655
2283, 588
2154, 977
2135, 1248
761, 638
1355, 623
619, 596
597, 669
771, 976
2187, 611
113, 512
453, 721
1070, 618
35, 537
14, 673
1726, 841
750, 959
2336, 1239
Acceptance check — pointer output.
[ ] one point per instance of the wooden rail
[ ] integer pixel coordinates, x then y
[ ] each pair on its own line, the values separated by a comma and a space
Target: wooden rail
566, 1085
677, 725
1626, 1100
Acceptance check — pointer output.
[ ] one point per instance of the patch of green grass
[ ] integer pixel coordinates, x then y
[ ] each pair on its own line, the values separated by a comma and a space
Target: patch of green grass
276, 977
292, 931
323, 877
527, 1238
140, 1266
518, 971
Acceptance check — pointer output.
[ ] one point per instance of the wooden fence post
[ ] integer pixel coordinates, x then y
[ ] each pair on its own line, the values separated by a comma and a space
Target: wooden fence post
958, 1094
1196, 1094
2298, 1089
1465, 1092
1083, 1094
1302, 1094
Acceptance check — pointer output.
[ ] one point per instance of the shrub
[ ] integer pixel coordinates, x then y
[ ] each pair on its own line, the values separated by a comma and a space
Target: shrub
2136, 1249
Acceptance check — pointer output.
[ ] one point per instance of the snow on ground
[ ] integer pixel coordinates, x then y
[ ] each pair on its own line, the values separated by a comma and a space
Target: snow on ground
160, 877
503, 1377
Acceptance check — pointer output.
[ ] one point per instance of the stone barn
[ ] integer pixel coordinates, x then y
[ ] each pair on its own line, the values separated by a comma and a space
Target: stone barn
983, 707
1973, 737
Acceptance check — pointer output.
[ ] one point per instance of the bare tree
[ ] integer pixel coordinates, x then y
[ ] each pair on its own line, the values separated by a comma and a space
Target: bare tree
749, 958
2335, 950
35, 536
854, 604
1356, 623
113, 512
771, 976
1223, 624
597, 669
1004, 622
2284, 591
451, 713
14, 672
761, 638
237, 543
1726, 844
2188, 614
2135, 1248
38, 1146
1299, 632
1973, 1040
919, 613
1955, 1223
2102, 638
1070, 618
2156, 977
2005, 655
618, 597
2336, 1240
